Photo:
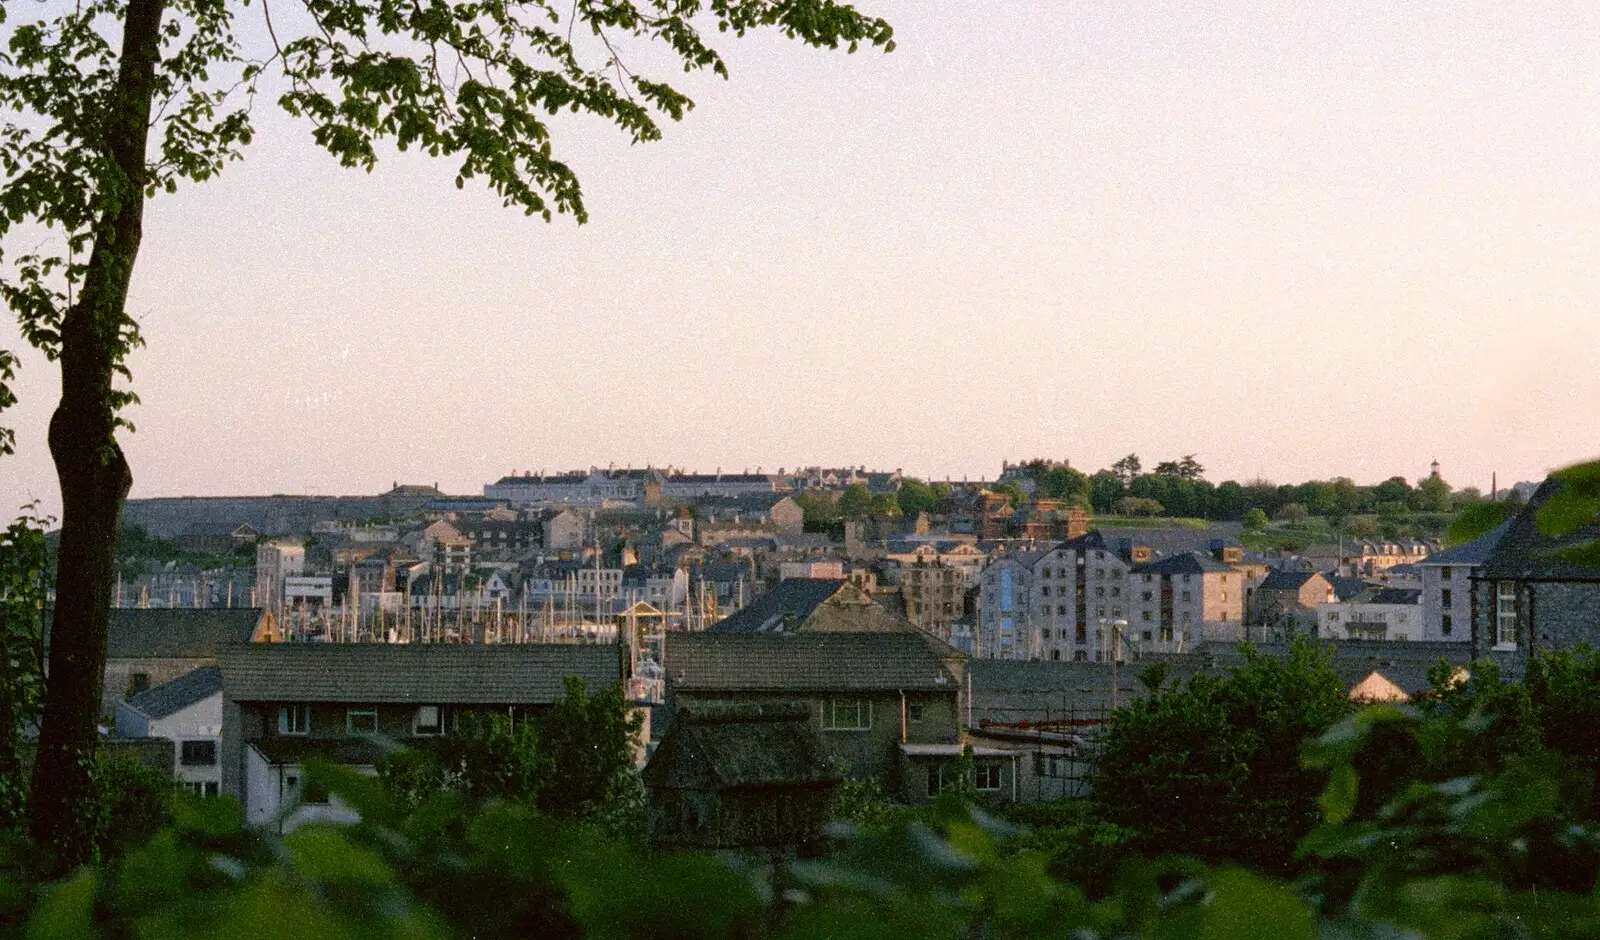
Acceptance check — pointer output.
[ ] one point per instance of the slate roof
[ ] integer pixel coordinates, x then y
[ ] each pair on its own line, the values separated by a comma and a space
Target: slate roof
371, 673
168, 698
1186, 563
1280, 580
789, 603
174, 633
1346, 588
807, 662
1161, 542
740, 746
1525, 553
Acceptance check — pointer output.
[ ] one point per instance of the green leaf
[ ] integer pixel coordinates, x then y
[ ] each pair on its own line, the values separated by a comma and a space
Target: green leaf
1568, 511
1339, 796
1476, 520
67, 911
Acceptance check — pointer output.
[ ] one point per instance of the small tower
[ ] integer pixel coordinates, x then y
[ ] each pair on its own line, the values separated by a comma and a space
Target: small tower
1433, 470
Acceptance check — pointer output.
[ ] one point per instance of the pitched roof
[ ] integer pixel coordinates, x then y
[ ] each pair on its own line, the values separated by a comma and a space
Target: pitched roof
799, 662
1524, 552
724, 747
1186, 563
1280, 580
174, 633
194, 686
1161, 542
789, 603
492, 674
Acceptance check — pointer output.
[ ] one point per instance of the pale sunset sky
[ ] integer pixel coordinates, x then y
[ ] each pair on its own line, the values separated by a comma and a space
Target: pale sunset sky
1299, 240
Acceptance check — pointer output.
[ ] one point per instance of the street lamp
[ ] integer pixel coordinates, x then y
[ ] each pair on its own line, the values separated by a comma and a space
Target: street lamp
1117, 638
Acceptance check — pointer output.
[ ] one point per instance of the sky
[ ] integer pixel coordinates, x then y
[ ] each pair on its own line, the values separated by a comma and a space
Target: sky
1298, 240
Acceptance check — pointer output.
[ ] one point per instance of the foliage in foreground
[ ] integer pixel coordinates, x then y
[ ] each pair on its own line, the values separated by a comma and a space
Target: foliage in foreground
1470, 857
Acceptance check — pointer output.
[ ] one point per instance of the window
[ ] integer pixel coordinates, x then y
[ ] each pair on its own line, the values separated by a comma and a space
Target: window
1116, 592
986, 777
199, 787
1145, 596
1100, 591
846, 714
1079, 656
1045, 591
429, 721
1187, 596
1045, 633
1061, 610
1505, 613
1185, 579
1146, 616
1047, 572
360, 721
294, 719
1445, 625
1444, 598
915, 710
1444, 572
1166, 634
198, 754
1147, 636
138, 682
1055, 654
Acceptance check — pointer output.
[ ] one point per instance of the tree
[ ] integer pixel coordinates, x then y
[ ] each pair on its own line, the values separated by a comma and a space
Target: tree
590, 741
915, 496
820, 511
23, 574
1393, 490
1255, 520
85, 144
1012, 492
1105, 488
1127, 468
1432, 495
1063, 482
1292, 512
1211, 768
1138, 506
855, 501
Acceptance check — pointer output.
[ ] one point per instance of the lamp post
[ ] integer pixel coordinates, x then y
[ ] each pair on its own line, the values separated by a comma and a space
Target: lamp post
1115, 647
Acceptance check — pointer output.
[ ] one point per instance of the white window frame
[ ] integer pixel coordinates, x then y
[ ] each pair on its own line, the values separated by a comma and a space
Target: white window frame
847, 714
1505, 615
419, 730
990, 770
287, 723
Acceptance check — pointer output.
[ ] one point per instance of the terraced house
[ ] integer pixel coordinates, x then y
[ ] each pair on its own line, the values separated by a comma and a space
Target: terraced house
286, 703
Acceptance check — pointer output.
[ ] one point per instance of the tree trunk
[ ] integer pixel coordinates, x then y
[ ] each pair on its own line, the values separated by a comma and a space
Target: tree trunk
93, 474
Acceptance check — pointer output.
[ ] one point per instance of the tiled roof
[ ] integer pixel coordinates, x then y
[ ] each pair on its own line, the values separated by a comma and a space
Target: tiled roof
1186, 563
737, 746
796, 662
499, 674
1280, 580
1524, 552
174, 633
169, 697
787, 604
1162, 542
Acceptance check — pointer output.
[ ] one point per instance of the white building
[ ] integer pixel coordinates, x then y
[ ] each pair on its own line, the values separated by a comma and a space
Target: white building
1378, 613
188, 712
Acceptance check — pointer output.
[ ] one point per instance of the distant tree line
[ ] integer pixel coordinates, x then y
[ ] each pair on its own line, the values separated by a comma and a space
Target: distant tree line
1174, 488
